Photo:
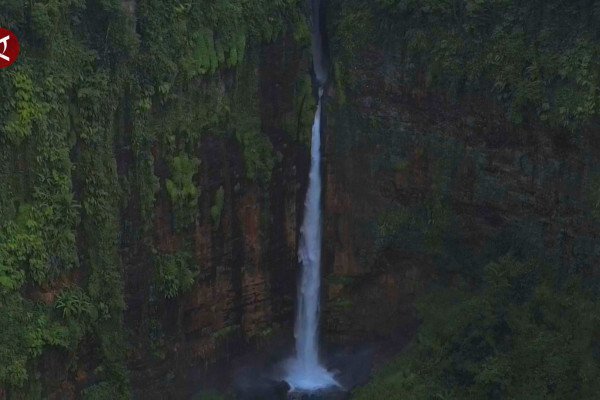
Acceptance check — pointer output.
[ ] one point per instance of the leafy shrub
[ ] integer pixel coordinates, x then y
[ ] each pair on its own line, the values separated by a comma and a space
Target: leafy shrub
26, 106
74, 303
259, 157
182, 189
23, 250
42, 332
26, 331
175, 273
16, 320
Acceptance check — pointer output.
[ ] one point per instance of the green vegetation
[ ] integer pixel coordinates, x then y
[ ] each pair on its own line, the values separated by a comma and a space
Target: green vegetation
523, 334
76, 304
27, 330
415, 227
92, 110
259, 157
182, 189
100, 391
175, 274
102, 127
539, 59
514, 319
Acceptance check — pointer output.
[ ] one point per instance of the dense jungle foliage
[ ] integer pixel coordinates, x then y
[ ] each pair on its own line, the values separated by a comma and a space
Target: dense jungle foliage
520, 326
103, 83
99, 81
522, 334
540, 59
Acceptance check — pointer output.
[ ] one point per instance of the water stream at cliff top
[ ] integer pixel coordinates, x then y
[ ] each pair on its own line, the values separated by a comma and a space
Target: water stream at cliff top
304, 372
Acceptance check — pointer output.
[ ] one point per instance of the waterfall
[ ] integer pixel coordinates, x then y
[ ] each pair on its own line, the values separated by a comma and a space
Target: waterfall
305, 373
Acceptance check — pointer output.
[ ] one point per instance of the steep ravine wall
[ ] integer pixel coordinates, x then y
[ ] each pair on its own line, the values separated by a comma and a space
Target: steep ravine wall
424, 186
154, 158
153, 164
244, 295
445, 202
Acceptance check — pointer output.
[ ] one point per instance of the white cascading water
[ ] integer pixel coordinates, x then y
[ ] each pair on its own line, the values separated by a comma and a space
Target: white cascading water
304, 372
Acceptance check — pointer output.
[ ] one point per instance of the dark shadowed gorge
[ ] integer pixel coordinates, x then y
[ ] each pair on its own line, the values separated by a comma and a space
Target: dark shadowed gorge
154, 162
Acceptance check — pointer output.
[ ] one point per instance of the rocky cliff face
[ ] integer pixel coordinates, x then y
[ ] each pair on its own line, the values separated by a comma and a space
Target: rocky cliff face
244, 293
155, 159
423, 186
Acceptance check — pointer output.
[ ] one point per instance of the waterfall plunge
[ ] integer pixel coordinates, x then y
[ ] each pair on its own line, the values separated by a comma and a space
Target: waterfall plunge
304, 373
